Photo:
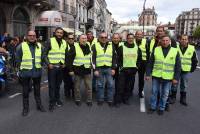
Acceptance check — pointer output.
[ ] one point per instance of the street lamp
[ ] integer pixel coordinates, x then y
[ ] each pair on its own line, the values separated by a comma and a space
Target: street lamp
143, 14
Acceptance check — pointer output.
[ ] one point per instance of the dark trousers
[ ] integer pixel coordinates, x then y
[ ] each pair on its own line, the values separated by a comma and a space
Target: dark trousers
125, 85
26, 89
54, 80
68, 83
141, 73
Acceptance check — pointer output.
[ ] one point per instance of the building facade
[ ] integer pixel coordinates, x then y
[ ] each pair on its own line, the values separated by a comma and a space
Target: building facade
148, 17
187, 21
17, 16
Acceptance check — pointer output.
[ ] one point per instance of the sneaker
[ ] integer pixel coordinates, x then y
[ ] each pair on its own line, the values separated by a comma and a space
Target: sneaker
160, 112
59, 103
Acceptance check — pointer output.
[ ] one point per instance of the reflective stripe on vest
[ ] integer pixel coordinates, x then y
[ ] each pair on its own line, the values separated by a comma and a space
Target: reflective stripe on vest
142, 47
80, 59
27, 58
57, 54
164, 66
130, 56
186, 58
103, 59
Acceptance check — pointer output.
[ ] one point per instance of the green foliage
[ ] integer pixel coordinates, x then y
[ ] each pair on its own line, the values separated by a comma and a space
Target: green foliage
196, 32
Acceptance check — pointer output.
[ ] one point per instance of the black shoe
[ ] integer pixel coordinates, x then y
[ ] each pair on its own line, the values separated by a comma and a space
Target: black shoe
100, 103
126, 102
151, 111
167, 108
78, 103
59, 103
51, 107
110, 104
117, 105
89, 104
25, 112
183, 103
141, 95
160, 112
41, 108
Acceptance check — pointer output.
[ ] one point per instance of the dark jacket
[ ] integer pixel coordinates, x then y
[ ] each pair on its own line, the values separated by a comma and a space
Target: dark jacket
35, 72
78, 70
94, 54
177, 68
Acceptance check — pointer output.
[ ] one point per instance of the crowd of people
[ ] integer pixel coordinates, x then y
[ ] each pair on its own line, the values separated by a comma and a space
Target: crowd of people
106, 68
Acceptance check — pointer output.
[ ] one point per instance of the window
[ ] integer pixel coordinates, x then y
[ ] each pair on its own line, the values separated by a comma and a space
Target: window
2, 23
20, 22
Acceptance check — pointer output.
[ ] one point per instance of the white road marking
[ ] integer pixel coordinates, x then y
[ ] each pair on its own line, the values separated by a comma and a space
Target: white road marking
198, 67
142, 105
14, 95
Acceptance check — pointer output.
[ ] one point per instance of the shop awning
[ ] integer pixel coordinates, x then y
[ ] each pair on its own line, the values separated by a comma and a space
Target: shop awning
49, 18
71, 30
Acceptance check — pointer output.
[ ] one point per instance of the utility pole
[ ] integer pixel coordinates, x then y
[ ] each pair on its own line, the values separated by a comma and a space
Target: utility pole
143, 14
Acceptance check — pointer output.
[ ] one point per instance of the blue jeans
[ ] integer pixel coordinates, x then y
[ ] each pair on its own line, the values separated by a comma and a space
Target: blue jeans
105, 77
183, 83
162, 86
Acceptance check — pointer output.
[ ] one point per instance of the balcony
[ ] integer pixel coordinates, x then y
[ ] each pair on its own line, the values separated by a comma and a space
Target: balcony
49, 4
13, 1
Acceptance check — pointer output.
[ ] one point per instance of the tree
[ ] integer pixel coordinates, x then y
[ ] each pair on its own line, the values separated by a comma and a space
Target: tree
196, 32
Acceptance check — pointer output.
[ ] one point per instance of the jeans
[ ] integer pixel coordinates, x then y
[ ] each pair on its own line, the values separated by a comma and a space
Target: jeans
183, 83
163, 87
105, 77
54, 81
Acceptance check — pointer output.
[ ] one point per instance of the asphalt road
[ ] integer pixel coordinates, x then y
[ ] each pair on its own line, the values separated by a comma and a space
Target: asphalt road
71, 119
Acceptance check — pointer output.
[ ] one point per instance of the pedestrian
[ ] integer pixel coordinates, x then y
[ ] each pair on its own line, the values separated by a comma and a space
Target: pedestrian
79, 58
68, 79
29, 57
189, 63
129, 58
55, 53
165, 67
141, 42
104, 61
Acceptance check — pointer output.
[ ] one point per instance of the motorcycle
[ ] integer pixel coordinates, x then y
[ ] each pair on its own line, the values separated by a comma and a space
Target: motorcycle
2, 73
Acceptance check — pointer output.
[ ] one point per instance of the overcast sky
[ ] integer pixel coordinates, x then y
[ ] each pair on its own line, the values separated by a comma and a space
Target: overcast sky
167, 10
